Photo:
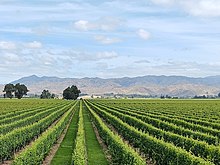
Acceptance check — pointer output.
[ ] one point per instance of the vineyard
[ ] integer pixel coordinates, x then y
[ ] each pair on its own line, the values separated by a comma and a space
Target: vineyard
101, 132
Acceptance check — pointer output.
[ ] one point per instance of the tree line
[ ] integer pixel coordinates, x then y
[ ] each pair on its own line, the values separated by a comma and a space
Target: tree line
19, 90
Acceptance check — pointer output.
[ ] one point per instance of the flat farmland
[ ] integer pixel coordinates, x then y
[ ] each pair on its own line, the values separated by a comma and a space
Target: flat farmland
117, 131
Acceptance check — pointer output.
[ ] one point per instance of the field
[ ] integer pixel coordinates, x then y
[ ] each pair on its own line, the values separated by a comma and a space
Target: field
101, 132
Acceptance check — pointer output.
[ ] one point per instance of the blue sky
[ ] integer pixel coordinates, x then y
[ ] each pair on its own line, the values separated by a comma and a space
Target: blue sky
114, 38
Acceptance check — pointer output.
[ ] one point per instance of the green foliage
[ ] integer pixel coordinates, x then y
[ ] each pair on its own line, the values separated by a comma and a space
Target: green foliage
164, 131
18, 138
9, 89
121, 152
15, 108
79, 155
47, 95
36, 153
21, 115
198, 148
63, 155
19, 90
158, 150
71, 93
168, 126
4, 129
95, 154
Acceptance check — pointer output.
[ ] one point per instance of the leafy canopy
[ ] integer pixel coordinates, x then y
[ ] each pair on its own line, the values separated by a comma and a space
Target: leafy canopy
47, 95
71, 93
19, 90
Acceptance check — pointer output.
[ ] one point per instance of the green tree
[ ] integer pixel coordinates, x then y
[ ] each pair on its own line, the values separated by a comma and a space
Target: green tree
219, 95
47, 95
71, 93
53, 96
9, 89
20, 90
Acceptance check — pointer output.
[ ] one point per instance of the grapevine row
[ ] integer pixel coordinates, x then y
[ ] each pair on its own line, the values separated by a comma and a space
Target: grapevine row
178, 122
160, 151
169, 126
79, 154
213, 124
23, 115
18, 138
36, 153
17, 111
4, 129
121, 152
198, 148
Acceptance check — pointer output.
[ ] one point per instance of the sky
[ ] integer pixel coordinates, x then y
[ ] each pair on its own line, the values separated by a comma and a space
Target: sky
112, 38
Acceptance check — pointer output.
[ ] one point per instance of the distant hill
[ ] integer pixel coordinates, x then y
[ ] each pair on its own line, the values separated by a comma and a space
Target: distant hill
145, 85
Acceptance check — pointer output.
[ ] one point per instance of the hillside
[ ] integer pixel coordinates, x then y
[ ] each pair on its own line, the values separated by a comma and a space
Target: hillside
145, 85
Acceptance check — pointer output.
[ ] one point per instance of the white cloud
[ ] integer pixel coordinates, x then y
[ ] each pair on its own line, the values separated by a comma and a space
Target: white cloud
106, 55
103, 24
83, 25
169, 28
201, 8
101, 66
164, 2
109, 23
181, 68
34, 45
106, 40
142, 62
10, 58
7, 45
143, 34
11, 46
84, 56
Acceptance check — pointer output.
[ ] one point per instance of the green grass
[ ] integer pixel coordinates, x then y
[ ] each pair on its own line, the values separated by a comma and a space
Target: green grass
63, 155
95, 152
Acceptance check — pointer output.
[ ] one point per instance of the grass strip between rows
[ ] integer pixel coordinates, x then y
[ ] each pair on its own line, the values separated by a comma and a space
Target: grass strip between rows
63, 155
95, 152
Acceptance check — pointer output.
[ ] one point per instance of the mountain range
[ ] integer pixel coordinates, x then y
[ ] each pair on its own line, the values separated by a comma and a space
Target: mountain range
180, 86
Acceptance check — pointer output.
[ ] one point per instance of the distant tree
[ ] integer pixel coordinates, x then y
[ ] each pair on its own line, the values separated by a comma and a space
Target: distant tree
162, 96
20, 90
200, 97
71, 93
219, 95
9, 89
45, 94
53, 96
168, 97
